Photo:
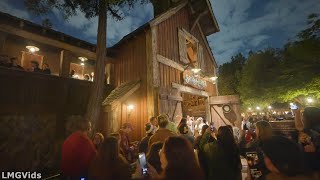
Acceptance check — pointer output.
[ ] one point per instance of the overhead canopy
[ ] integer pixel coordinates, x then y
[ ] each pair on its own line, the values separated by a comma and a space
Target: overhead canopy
120, 94
202, 9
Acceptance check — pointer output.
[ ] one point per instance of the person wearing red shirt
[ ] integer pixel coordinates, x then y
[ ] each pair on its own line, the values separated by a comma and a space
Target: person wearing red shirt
78, 151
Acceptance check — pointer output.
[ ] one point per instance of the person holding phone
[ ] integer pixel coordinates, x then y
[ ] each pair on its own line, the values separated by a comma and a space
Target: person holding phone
177, 162
253, 153
308, 125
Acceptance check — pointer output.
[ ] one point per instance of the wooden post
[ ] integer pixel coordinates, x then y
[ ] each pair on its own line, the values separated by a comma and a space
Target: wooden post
3, 37
150, 90
61, 63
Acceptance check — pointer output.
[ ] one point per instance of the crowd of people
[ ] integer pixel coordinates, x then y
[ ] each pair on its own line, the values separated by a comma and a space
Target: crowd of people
12, 63
196, 150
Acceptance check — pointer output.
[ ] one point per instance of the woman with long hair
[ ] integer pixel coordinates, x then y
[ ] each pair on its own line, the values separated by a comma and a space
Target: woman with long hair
223, 156
177, 161
153, 157
263, 132
109, 164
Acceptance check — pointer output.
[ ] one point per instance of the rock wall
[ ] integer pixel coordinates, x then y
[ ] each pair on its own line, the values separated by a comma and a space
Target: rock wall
30, 143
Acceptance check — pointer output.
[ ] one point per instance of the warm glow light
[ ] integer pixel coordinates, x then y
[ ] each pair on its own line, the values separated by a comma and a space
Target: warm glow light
130, 107
291, 104
32, 49
196, 70
309, 100
249, 108
82, 59
258, 107
214, 78
269, 107
82, 64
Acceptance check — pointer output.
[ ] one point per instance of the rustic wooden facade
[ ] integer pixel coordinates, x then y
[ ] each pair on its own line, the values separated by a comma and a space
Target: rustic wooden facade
150, 60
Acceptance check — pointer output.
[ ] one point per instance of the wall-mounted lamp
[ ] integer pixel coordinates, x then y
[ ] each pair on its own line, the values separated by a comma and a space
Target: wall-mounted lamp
214, 78
32, 49
82, 59
130, 107
82, 64
258, 108
269, 107
195, 70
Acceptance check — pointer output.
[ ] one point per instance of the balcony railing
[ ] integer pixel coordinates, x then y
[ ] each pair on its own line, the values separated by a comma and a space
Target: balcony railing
25, 92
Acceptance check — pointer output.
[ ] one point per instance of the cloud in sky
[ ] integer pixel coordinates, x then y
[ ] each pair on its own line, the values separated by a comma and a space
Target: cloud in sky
244, 25
248, 24
8, 7
133, 18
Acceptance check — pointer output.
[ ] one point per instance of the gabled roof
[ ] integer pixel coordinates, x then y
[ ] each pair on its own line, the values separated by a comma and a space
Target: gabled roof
207, 21
121, 93
43, 31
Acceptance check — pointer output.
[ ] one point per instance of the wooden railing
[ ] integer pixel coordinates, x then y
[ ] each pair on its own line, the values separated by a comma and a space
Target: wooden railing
34, 93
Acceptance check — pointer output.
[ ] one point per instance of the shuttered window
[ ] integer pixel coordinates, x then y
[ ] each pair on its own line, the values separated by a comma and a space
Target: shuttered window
183, 48
201, 63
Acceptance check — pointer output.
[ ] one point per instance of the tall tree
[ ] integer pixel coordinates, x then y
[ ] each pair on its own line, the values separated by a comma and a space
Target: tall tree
259, 77
229, 75
91, 8
300, 65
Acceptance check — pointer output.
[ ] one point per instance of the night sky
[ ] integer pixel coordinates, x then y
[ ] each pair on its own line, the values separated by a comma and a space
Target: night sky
244, 24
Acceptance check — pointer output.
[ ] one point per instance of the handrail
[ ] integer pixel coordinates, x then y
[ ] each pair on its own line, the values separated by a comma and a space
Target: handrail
51, 177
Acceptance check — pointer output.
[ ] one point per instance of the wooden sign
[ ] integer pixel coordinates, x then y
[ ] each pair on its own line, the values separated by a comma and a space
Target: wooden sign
190, 79
285, 128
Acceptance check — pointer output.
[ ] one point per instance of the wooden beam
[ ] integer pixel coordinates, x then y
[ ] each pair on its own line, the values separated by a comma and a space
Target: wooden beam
197, 18
169, 62
229, 99
45, 40
149, 66
3, 37
167, 15
61, 63
175, 98
190, 90
156, 73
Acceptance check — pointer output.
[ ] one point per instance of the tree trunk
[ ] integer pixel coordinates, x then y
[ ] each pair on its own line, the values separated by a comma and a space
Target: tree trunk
95, 101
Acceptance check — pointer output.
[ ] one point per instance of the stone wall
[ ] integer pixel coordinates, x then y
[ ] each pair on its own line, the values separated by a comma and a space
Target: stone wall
30, 143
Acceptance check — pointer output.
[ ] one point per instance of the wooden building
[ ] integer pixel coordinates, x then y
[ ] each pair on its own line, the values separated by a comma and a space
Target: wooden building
165, 66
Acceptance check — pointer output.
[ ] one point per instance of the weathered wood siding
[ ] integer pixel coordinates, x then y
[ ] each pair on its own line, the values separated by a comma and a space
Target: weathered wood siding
130, 65
169, 75
168, 46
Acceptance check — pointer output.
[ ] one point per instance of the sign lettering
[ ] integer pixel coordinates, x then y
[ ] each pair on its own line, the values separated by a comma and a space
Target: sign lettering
196, 82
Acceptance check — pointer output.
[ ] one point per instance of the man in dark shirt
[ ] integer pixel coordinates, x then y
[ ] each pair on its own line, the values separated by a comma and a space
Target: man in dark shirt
144, 142
14, 64
35, 66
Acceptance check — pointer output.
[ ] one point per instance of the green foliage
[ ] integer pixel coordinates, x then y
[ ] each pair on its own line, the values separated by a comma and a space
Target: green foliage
270, 76
259, 77
230, 74
46, 23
